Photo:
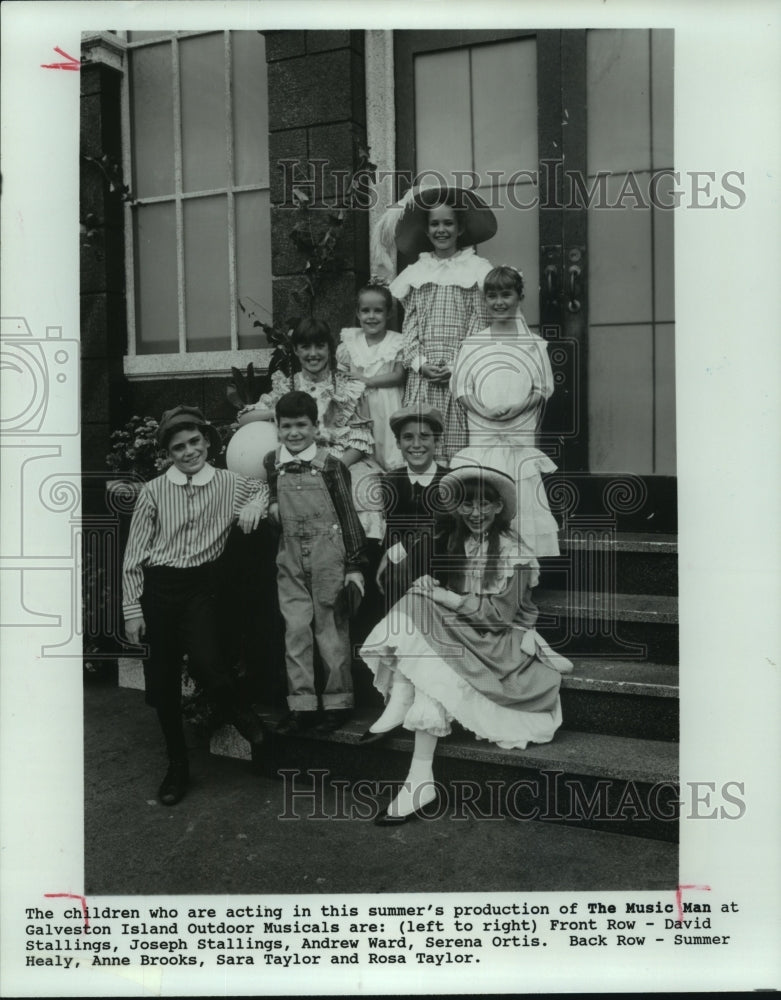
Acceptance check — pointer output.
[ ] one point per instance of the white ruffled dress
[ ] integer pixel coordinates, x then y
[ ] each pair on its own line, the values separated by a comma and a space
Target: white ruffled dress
483, 665
355, 355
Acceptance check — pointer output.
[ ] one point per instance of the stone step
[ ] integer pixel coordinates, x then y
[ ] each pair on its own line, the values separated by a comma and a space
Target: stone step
599, 763
631, 563
620, 626
631, 783
614, 697
622, 698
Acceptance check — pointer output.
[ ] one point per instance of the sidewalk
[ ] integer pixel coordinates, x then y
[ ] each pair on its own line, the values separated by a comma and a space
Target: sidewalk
225, 836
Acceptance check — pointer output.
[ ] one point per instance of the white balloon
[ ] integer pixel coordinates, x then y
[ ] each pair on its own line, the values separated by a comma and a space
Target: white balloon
248, 447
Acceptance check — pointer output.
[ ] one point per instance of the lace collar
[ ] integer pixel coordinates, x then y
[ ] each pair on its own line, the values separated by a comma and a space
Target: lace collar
464, 269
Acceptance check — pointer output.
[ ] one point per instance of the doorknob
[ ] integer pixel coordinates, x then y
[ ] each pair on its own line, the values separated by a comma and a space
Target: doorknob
574, 275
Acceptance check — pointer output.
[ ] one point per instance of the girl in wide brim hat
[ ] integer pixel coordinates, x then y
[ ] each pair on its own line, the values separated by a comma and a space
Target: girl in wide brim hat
441, 291
463, 646
406, 222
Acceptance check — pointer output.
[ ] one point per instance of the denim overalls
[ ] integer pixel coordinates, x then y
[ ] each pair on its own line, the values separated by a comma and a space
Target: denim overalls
310, 577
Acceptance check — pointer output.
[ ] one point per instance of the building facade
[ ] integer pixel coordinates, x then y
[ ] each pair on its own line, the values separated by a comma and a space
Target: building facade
196, 145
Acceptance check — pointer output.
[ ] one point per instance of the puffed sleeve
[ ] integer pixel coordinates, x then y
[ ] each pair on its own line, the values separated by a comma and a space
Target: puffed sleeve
343, 359
539, 363
280, 384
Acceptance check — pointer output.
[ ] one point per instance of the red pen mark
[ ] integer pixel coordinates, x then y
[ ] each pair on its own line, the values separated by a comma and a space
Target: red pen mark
70, 64
70, 895
679, 892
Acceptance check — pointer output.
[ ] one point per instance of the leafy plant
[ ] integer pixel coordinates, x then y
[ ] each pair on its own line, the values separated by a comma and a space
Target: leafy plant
134, 449
321, 246
246, 389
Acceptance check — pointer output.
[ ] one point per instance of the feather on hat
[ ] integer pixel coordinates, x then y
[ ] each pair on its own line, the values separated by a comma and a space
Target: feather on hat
403, 226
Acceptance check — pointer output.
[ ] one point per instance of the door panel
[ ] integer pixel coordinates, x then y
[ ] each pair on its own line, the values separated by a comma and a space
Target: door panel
494, 146
631, 286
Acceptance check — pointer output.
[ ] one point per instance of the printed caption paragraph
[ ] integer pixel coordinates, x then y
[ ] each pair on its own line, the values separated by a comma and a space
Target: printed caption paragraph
431, 935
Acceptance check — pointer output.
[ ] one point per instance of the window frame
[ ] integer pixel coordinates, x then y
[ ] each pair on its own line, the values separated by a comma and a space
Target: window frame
182, 363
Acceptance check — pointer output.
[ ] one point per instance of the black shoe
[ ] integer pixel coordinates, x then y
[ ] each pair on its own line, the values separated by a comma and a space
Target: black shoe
296, 722
333, 718
175, 783
248, 724
370, 737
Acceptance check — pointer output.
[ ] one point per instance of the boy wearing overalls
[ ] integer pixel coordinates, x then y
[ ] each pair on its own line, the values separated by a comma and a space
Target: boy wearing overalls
321, 552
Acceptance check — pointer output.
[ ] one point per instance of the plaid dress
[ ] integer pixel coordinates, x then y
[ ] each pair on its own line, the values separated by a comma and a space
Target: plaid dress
438, 314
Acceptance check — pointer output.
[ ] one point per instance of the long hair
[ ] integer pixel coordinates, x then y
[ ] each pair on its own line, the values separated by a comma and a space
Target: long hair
460, 532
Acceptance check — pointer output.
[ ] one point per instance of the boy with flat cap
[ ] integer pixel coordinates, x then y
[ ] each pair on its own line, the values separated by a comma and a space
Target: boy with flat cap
179, 528
410, 496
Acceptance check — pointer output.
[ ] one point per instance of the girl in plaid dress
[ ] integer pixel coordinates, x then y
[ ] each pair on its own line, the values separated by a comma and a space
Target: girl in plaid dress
441, 293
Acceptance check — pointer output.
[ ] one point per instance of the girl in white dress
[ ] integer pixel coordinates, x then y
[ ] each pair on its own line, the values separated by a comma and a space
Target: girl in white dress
502, 377
371, 354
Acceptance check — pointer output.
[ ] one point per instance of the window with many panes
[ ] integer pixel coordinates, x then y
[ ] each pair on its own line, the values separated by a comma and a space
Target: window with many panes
198, 227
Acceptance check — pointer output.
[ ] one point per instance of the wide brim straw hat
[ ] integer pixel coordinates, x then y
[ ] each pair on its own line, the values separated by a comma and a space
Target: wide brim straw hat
452, 484
406, 222
187, 416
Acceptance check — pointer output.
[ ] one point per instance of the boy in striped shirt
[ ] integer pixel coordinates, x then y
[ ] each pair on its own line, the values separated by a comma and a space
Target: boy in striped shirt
179, 528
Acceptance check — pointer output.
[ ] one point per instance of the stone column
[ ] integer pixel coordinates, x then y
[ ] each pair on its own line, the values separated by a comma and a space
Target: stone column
101, 217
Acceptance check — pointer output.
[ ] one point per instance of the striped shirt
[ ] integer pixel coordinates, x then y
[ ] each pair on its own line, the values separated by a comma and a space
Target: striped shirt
183, 521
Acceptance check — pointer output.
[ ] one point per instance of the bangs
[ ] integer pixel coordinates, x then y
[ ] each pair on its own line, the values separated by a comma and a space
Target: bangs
477, 489
502, 279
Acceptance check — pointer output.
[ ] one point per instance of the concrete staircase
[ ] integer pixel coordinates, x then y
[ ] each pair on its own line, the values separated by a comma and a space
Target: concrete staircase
609, 602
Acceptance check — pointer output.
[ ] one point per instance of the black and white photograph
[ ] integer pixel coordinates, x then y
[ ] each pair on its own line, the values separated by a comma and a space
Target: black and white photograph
470, 271
390, 414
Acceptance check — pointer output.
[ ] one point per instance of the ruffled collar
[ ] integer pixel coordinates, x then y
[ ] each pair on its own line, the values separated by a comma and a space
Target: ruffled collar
363, 353
337, 387
465, 269
509, 557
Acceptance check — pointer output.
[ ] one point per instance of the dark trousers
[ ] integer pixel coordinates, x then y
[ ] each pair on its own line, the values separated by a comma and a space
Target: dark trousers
180, 611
